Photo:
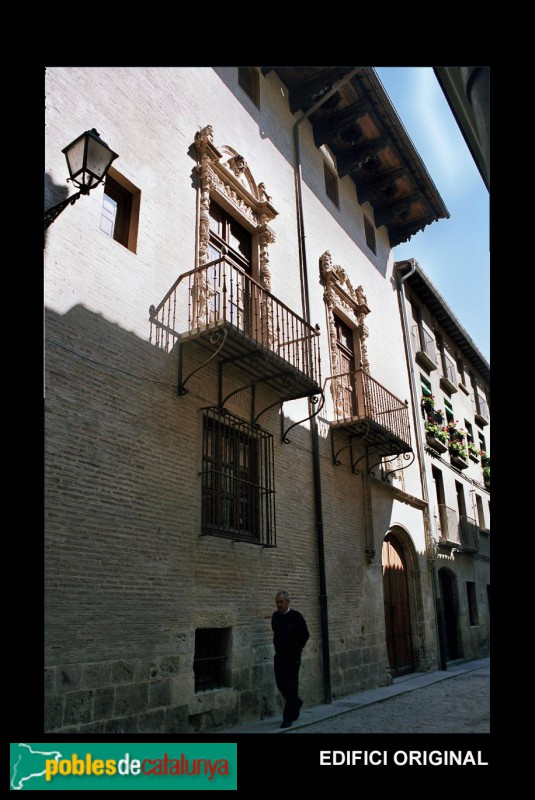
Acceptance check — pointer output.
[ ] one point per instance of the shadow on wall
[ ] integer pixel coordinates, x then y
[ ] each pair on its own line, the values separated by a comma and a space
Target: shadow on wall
123, 504
54, 194
283, 141
114, 445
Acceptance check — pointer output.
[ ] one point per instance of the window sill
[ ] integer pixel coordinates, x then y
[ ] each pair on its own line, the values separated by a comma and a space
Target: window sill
447, 385
436, 444
464, 389
424, 361
234, 536
449, 542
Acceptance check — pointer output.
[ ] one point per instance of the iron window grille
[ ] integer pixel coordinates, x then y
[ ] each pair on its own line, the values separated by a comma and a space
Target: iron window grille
210, 659
238, 492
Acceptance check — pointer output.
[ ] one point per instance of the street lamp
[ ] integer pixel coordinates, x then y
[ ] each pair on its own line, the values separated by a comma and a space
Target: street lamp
88, 160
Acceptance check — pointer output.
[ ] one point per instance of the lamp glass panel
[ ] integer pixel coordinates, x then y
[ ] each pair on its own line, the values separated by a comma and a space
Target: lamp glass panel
75, 156
99, 158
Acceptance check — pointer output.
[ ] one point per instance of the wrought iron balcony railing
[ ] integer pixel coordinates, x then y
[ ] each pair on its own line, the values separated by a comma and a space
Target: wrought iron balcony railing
362, 402
424, 347
448, 379
221, 295
481, 409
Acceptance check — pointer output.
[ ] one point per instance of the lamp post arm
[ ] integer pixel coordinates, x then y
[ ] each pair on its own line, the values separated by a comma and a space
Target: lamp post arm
53, 213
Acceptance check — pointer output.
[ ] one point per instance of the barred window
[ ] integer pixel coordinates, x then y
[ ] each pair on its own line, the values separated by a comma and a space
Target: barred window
238, 493
210, 659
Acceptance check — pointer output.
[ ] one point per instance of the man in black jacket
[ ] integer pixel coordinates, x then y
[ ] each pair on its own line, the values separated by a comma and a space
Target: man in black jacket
290, 635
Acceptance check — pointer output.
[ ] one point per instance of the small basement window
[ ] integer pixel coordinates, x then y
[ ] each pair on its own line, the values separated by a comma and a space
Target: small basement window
210, 659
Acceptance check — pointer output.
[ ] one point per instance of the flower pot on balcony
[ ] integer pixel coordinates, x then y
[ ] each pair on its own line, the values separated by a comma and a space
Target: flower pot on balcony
428, 404
487, 484
458, 454
435, 443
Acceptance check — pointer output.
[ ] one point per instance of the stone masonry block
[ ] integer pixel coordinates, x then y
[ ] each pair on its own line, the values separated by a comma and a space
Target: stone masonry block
225, 717
78, 707
98, 674
176, 720
143, 670
249, 702
261, 674
131, 698
151, 721
68, 678
54, 711
183, 688
123, 671
122, 725
104, 702
93, 727
182, 642
50, 678
241, 679
169, 665
159, 693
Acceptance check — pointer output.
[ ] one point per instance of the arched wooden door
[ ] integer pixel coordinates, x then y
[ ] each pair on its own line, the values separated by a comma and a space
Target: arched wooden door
397, 609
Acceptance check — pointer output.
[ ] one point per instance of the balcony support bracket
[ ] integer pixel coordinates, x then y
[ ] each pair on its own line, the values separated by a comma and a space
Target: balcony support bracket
314, 400
408, 457
336, 460
215, 336
257, 360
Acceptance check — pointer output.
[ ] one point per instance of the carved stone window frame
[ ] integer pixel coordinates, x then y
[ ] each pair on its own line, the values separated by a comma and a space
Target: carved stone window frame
223, 175
339, 295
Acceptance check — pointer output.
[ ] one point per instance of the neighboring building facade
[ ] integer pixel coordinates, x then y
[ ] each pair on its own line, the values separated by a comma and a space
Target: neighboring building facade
451, 381
207, 444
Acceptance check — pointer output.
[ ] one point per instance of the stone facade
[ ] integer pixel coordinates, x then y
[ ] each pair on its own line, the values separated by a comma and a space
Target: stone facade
459, 496
129, 577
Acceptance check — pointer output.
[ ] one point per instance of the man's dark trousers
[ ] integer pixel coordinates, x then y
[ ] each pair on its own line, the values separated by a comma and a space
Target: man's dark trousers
287, 680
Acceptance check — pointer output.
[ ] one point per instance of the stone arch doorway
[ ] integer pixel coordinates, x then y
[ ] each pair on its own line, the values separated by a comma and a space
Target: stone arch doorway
398, 625
450, 605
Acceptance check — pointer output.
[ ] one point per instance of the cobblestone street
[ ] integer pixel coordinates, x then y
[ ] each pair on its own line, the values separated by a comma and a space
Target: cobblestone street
457, 705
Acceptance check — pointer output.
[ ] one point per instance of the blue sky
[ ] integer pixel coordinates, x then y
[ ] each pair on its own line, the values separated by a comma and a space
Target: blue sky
453, 253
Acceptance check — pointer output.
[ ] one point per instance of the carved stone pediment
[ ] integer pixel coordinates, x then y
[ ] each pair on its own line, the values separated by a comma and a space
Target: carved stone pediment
339, 288
224, 175
340, 294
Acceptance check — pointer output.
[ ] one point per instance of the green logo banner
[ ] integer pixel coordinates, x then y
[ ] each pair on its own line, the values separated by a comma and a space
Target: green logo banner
132, 765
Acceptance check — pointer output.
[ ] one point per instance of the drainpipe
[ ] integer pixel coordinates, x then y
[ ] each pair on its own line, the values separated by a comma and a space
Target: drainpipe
439, 610
305, 302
